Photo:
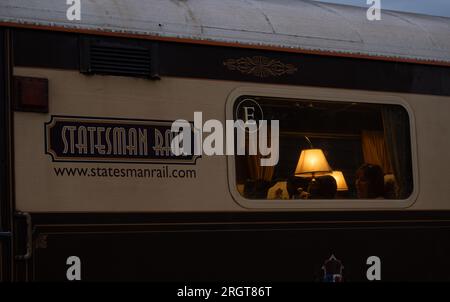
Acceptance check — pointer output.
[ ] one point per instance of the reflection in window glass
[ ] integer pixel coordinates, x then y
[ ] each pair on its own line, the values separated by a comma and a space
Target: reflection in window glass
331, 150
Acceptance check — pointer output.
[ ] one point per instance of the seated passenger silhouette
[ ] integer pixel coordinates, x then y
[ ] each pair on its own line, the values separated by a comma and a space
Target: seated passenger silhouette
324, 187
369, 182
296, 187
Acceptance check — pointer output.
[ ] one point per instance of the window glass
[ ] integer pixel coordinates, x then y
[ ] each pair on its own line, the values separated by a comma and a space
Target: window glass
329, 150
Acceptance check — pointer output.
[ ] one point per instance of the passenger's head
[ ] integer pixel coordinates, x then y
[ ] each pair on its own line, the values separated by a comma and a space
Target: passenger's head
294, 183
324, 187
369, 181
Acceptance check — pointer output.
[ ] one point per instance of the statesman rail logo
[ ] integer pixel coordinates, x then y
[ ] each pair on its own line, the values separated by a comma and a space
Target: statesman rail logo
81, 139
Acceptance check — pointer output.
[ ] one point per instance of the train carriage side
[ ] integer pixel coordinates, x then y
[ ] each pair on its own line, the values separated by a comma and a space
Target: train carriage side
86, 148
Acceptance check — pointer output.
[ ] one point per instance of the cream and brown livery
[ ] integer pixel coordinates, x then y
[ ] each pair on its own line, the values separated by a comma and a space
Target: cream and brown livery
93, 118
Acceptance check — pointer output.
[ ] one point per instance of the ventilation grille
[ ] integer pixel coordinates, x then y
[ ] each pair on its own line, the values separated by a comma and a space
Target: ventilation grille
117, 59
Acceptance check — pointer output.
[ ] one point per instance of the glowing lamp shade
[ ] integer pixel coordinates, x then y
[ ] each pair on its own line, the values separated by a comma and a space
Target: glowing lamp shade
340, 181
312, 162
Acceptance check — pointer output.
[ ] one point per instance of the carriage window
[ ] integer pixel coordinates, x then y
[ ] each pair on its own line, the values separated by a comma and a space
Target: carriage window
329, 150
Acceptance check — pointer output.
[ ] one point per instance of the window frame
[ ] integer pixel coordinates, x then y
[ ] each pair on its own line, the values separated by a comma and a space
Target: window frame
333, 95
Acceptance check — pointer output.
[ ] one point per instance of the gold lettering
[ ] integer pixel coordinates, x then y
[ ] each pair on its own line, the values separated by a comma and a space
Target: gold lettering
82, 140
99, 146
143, 142
132, 141
119, 141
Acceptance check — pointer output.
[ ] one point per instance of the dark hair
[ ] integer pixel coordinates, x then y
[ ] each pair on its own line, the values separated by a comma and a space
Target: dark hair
294, 183
375, 177
324, 187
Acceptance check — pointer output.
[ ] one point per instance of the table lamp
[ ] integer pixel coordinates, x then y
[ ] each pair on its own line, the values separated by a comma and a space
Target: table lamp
312, 162
340, 181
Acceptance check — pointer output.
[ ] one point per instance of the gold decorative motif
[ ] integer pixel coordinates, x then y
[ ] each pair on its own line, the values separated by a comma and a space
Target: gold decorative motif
259, 66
